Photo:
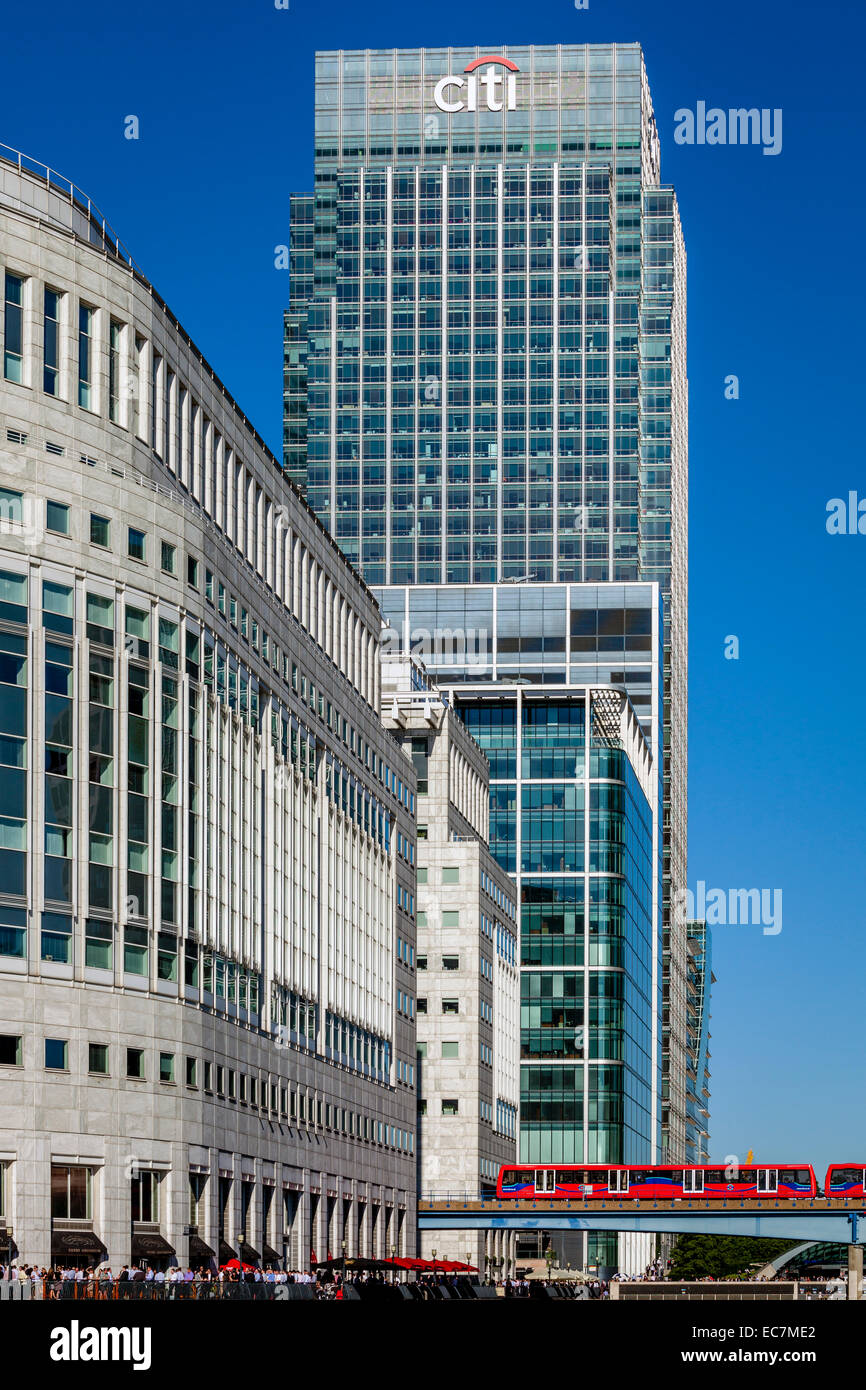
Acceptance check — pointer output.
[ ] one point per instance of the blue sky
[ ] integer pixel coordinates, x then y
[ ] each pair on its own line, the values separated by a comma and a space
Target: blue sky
223, 93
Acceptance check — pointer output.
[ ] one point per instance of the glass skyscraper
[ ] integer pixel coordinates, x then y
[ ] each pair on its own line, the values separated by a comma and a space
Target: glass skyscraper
485, 380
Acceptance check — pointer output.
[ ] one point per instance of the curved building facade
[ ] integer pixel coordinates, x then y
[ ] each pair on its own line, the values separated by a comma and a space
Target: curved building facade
207, 1039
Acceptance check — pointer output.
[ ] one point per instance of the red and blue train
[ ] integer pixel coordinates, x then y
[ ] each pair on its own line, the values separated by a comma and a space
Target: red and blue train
669, 1182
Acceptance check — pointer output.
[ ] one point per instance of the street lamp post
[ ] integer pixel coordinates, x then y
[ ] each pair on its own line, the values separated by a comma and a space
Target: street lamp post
344, 1263
393, 1253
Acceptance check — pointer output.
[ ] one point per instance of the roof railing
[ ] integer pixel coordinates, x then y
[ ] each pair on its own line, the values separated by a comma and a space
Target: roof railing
58, 183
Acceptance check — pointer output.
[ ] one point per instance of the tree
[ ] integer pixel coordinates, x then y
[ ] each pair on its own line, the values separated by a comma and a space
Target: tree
694, 1257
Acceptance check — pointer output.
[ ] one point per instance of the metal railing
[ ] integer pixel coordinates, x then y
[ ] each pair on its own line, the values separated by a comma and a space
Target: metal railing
148, 1291
58, 183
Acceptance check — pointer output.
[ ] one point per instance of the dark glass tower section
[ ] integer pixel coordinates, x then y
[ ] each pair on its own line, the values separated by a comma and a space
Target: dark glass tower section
485, 352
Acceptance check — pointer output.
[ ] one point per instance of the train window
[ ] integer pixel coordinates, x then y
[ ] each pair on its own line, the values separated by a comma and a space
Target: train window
840, 1178
568, 1177
795, 1175
715, 1175
518, 1177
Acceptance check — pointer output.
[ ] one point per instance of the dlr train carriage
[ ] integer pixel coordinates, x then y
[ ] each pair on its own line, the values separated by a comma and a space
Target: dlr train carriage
664, 1181
845, 1180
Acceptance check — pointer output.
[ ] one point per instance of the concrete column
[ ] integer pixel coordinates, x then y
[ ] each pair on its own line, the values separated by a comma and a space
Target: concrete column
177, 1204
855, 1271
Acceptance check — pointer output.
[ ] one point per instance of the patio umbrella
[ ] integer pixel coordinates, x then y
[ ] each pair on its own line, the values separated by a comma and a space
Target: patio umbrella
236, 1264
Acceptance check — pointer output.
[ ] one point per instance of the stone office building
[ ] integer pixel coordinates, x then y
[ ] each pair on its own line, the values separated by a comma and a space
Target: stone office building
207, 889
467, 968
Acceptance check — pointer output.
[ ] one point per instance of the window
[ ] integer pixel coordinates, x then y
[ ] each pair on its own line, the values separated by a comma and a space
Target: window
71, 1189
58, 609
97, 1058
10, 1050
13, 920
56, 1054
450, 1050
13, 595
421, 1006
421, 1049
450, 1107
85, 356
168, 557
57, 517
144, 1193
135, 1063
450, 919
450, 1006
135, 950
422, 876
98, 941
450, 962
191, 1071
13, 329
57, 937
11, 507
208, 1076
100, 530
197, 1183
451, 875
192, 571
51, 343
114, 341
136, 544
166, 1066
421, 962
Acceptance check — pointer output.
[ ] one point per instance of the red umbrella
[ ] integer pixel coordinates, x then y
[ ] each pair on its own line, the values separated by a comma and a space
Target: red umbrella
457, 1267
236, 1264
407, 1262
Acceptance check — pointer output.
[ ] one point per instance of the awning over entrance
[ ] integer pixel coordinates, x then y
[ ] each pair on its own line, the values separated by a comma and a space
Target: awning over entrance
269, 1255
148, 1247
226, 1253
248, 1254
199, 1249
76, 1243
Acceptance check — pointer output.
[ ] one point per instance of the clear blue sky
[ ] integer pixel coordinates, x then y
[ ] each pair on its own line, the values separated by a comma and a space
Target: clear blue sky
223, 93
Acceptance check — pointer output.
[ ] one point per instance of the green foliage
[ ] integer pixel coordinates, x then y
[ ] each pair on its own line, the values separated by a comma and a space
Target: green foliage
694, 1257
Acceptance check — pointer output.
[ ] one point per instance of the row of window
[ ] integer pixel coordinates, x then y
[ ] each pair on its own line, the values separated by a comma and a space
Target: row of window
406, 953
449, 1006
188, 444
405, 1004
448, 962
215, 1079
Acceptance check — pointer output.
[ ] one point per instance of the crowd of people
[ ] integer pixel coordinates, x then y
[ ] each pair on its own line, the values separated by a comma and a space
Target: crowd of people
327, 1282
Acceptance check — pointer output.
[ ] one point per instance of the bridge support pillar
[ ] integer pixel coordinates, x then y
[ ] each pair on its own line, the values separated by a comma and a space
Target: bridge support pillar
855, 1271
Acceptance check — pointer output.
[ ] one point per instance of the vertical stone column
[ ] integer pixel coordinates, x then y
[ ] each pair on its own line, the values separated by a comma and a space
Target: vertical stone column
855, 1271
211, 1204
177, 1205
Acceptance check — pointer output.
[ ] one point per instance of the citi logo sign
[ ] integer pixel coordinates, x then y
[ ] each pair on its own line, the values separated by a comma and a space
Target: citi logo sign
499, 88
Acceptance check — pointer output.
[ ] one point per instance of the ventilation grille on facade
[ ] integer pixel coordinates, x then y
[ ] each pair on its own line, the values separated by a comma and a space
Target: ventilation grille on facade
16, 437
52, 448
